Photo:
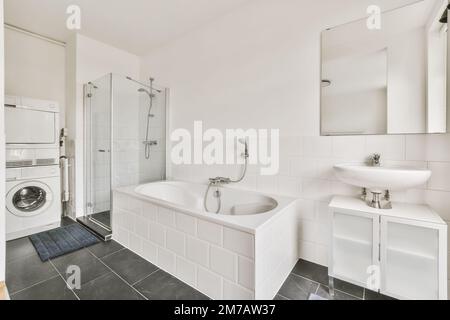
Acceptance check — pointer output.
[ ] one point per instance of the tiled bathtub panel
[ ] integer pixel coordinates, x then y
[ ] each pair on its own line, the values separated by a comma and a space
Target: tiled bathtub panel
206, 264
276, 253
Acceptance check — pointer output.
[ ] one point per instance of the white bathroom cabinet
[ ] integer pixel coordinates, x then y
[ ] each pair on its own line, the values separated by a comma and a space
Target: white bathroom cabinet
401, 253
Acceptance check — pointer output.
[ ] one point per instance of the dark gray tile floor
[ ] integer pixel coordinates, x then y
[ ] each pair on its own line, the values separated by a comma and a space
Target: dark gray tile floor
103, 217
108, 272
309, 278
112, 272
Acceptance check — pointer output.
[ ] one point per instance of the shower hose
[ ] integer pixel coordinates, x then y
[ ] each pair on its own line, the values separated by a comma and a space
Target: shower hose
218, 195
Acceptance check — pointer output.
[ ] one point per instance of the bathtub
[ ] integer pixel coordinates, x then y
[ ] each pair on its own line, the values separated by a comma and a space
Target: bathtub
245, 251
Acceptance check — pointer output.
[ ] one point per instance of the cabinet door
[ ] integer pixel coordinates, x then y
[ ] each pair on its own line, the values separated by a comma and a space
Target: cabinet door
354, 246
410, 259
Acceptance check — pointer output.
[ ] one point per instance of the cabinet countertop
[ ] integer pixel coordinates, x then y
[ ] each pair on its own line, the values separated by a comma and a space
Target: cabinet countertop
420, 212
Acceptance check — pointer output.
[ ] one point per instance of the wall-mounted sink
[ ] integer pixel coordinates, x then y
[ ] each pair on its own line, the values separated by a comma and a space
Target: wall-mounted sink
382, 178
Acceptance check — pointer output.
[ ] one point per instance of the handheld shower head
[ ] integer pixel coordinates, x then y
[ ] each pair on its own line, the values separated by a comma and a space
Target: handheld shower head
142, 90
245, 143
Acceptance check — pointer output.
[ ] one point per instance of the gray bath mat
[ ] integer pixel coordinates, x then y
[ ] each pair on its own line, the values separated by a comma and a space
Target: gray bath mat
61, 241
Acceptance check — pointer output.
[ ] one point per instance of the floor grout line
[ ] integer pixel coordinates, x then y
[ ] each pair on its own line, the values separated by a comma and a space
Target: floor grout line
146, 277
108, 255
315, 282
67, 285
126, 282
33, 285
278, 294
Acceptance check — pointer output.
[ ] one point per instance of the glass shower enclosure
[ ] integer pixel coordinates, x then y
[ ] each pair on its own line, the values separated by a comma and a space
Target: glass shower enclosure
125, 142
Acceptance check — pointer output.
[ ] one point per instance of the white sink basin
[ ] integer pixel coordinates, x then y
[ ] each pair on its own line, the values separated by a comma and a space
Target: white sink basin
382, 178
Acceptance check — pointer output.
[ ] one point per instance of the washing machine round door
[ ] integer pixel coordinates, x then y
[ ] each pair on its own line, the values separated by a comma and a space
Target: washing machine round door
29, 199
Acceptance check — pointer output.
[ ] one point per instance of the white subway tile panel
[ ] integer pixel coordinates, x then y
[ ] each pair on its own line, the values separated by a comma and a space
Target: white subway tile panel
186, 223
232, 291
246, 273
223, 262
150, 251
149, 211
197, 251
175, 241
210, 232
142, 227
186, 271
157, 233
166, 260
239, 242
166, 217
209, 283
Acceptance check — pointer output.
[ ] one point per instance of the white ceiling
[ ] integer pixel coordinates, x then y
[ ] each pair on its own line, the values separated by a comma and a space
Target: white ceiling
136, 26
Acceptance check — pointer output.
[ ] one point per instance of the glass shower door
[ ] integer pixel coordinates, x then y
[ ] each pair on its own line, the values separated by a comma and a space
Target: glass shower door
98, 131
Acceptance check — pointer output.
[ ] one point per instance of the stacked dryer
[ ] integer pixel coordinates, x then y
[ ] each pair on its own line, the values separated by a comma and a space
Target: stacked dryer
33, 185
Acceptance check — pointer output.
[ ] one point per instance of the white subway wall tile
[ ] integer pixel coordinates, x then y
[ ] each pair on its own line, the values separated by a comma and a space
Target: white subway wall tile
166, 260
350, 147
239, 242
232, 291
307, 231
306, 209
318, 190
122, 236
135, 243
246, 273
186, 271
150, 251
175, 241
440, 178
307, 250
438, 147
322, 254
166, 217
186, 223
289, 186
197, 251
416, 146
440, 202
209, 283
223, 262
210, 232
317, 146
134, 205
157, 233
149, 211
390, 147
142, 227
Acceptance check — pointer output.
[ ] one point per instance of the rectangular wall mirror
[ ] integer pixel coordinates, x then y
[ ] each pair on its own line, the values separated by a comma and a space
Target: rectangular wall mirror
391, 80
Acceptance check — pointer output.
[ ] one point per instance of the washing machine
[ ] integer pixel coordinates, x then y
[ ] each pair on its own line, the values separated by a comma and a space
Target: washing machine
32, 200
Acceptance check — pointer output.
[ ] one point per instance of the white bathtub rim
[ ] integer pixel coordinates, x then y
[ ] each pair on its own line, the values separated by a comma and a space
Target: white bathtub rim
251, 228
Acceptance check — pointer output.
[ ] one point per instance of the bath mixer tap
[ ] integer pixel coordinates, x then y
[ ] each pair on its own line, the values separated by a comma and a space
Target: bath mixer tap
376, 160
219, 180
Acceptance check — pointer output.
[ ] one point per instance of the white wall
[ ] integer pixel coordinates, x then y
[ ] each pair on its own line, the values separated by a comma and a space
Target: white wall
88, 60
2, 150
35, 68
259, 67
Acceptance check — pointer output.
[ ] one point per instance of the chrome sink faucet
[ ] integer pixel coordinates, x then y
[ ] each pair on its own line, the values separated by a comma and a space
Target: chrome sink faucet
376, 160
